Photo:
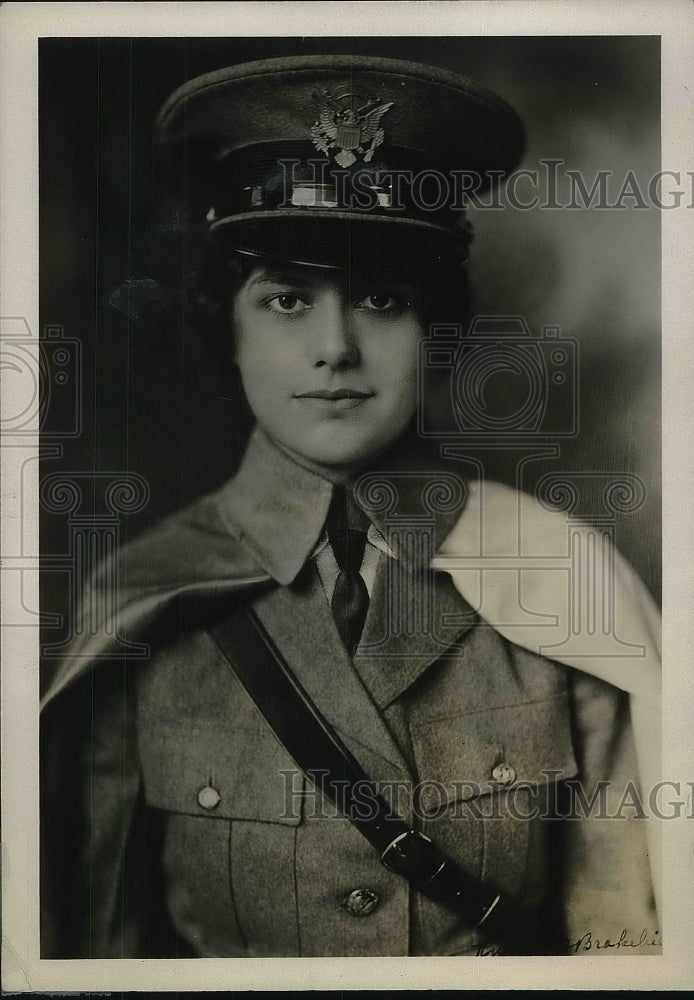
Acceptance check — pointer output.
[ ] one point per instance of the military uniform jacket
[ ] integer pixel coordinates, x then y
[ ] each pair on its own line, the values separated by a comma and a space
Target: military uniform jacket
184, 828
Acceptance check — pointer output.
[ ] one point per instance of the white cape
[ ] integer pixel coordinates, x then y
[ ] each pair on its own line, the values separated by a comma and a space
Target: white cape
559, 588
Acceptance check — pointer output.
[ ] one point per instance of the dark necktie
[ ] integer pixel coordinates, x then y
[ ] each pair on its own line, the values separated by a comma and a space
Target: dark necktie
347, 526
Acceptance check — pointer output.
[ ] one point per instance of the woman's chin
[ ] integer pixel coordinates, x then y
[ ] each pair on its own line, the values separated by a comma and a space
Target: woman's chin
337, 457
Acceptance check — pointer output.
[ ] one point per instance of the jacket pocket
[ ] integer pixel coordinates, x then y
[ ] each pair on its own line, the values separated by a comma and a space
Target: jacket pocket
466, 756
230, 773
232, 801
485, 778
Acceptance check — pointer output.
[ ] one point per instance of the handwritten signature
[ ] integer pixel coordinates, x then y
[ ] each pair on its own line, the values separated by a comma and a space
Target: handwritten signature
588, 942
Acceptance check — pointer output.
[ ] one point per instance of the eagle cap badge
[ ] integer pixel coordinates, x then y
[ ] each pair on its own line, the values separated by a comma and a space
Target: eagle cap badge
348, 127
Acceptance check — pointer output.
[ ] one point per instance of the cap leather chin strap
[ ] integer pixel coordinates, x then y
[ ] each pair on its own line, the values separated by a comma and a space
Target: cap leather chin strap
317, 749
264, 257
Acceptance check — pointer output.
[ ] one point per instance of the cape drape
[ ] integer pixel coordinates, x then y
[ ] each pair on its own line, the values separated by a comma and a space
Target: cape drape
542, 579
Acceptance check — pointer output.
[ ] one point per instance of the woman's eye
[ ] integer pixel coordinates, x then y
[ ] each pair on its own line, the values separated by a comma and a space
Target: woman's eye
380, 302
287, 304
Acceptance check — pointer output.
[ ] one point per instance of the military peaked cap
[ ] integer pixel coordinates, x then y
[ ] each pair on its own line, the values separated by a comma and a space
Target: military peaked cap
306, 155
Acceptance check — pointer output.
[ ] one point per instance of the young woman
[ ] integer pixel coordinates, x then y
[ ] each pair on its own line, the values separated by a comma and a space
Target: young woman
331, 257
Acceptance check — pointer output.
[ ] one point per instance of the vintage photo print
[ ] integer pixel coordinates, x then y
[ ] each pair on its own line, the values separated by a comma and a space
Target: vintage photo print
344, 432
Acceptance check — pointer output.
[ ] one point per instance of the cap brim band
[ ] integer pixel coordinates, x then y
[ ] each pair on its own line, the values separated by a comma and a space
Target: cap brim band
337, 239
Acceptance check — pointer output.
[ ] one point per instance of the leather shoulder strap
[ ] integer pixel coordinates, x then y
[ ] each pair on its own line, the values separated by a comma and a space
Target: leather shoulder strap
318, 751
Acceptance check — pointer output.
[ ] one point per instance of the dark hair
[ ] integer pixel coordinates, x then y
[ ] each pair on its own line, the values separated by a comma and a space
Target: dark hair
219, 281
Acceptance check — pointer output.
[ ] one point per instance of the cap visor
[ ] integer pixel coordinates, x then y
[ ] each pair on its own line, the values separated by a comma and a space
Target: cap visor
337, 239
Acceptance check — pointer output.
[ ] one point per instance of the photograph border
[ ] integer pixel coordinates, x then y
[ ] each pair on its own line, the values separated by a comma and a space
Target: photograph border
20, 27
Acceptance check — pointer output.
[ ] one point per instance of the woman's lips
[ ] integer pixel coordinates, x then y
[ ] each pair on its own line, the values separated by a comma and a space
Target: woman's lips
333, 394
333, 400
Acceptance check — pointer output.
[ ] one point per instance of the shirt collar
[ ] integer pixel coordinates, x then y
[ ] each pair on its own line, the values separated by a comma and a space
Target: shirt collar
277, 507
373, 536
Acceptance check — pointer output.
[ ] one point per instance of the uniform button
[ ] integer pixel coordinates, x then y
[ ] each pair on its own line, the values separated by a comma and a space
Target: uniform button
208, 797
504, 773
361, 902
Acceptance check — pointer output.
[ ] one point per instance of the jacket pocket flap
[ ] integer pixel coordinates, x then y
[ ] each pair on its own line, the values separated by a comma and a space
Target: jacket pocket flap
206, 770
477, 753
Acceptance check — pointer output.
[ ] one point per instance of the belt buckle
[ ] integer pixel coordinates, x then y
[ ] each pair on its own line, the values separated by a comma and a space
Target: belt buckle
396, 845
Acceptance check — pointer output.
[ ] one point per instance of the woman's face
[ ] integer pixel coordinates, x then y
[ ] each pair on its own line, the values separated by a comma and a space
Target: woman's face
329, 362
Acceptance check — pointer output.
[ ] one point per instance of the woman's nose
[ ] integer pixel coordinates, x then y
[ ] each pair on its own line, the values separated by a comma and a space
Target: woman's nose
335, 339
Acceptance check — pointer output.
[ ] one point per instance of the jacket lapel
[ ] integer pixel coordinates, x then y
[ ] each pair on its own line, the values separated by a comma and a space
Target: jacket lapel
415, 617
298, 618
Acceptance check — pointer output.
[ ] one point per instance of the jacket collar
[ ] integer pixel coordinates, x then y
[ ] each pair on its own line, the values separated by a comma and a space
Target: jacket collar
277, 508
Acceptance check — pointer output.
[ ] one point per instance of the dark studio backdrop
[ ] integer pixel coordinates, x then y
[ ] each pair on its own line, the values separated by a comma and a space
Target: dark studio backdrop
117, 244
